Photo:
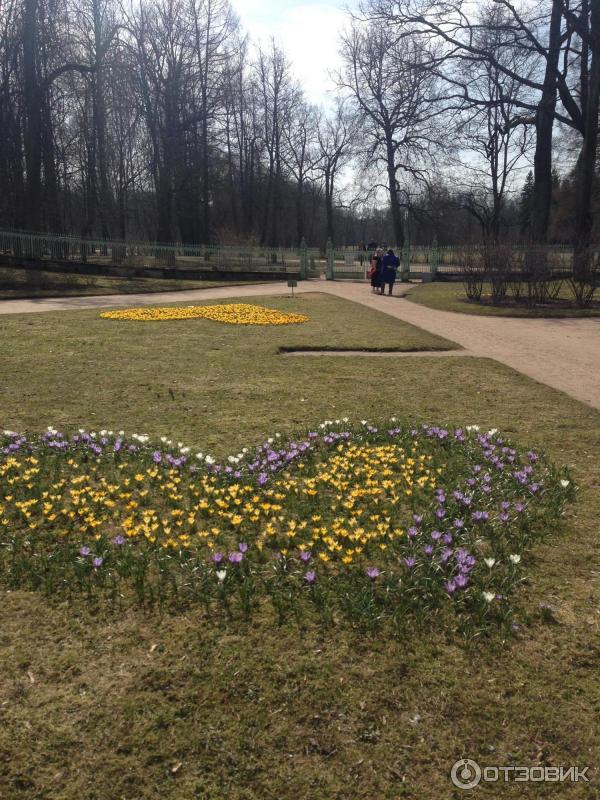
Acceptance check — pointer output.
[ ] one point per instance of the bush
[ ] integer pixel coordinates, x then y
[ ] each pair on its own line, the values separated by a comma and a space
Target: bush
473, 274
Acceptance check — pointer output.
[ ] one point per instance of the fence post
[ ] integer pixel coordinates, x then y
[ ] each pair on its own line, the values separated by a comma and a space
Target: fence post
303, 260
434, 258
329, 267
406, 261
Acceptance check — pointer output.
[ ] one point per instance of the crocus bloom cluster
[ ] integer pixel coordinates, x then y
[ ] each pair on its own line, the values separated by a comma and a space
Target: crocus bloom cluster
415, 510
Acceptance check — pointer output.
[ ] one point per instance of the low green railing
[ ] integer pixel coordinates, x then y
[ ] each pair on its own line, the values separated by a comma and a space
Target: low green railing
336, 262
149, 255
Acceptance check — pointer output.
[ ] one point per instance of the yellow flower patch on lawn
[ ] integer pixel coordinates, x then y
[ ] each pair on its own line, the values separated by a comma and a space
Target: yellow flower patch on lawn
230, 313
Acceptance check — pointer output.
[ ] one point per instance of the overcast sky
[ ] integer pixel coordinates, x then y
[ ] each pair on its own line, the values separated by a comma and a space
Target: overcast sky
308, 31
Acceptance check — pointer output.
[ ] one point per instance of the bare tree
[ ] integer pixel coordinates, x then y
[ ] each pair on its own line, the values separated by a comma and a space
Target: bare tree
336, 134
394, 96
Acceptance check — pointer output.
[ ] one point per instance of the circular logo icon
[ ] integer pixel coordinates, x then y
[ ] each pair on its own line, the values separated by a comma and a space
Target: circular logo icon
466, 773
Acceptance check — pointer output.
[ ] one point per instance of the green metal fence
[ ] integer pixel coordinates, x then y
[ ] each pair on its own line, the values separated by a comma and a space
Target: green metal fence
148, 255
432, 261
350, 263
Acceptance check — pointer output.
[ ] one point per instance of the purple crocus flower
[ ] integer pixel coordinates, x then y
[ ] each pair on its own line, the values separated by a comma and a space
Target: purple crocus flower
450, 587
519, 508
157, 456
97, 562
410, 562
372, 573
445, 554
412, 532
119, 540
310, 577
428, 549
503, 516
235, 558
85, 551
242, 547
436, 535
418, 519
217, 557
305, 555
461, 580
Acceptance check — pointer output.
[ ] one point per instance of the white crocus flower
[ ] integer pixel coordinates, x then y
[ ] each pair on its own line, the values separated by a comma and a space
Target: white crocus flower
472, 428
184, 450
490, 562
221, 575
564, 483
515, 559
200, 456
488, 596
209, 459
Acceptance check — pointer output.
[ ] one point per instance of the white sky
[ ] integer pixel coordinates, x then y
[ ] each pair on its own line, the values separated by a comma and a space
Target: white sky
308, 30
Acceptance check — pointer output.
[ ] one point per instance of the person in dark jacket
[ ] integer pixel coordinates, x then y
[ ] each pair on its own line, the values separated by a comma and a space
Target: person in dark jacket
390, 264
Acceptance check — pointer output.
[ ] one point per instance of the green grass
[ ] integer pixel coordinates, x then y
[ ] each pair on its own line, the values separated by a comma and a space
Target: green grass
451, 297
14, 285
102, 707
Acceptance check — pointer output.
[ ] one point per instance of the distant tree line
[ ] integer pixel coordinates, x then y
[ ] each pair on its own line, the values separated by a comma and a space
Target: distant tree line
158, 119
161, 120
473, 90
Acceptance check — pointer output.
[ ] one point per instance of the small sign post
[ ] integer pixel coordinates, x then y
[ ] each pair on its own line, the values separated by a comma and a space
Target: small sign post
291, 284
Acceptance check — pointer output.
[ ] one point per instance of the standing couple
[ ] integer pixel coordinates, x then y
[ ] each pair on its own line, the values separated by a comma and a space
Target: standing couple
383, 270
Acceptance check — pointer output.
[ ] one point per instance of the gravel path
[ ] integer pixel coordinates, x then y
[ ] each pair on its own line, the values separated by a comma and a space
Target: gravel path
562, 353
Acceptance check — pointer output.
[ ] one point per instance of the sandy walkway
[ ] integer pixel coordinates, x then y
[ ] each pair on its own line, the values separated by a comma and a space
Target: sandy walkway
562, 353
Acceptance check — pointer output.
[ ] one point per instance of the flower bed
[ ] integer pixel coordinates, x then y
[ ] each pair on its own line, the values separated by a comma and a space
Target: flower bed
397, 523
230, 313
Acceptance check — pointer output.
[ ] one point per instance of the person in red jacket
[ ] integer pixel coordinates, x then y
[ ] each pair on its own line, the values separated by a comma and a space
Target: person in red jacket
376, 271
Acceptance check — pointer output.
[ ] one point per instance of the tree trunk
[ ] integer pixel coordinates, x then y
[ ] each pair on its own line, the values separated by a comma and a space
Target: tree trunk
586, 163
544, 125
393, 190
33, 118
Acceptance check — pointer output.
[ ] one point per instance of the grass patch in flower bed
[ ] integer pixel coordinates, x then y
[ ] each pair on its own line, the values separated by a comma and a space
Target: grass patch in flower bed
368, 523
451, 296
